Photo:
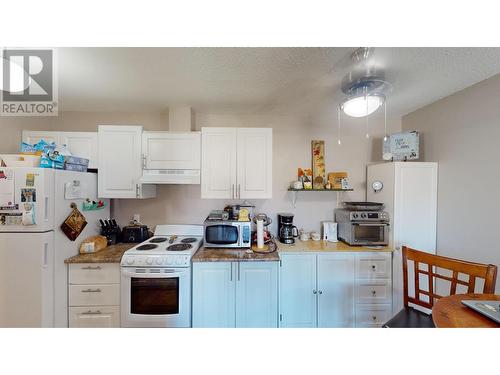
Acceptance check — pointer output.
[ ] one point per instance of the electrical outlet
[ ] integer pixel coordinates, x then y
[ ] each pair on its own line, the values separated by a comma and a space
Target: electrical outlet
136, 217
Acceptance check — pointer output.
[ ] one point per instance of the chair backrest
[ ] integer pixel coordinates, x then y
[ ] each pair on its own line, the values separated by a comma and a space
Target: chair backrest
487, 272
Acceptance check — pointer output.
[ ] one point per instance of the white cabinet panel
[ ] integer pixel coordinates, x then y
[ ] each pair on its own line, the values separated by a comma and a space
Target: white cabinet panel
94, 295
94, 273
120, 165
372, 316
218, 163
297, 290
171, 150
34, 136
336, 290
254, 167
94, 317
257, 295
83, 145
214, 294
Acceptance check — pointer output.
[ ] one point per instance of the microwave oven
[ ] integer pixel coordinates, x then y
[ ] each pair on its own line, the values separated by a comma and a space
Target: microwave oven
227, 234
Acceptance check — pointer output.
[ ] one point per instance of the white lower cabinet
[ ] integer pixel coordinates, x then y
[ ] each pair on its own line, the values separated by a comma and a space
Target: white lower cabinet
235, 294
94, 295
335, 289
94, 317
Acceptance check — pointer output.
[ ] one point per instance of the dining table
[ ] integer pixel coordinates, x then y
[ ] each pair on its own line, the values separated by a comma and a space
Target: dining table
450, 312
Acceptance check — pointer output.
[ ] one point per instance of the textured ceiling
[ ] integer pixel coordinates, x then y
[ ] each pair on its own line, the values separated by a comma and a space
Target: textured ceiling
275, 80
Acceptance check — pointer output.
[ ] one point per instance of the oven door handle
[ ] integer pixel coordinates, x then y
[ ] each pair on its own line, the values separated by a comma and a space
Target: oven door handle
371, 224
159, 275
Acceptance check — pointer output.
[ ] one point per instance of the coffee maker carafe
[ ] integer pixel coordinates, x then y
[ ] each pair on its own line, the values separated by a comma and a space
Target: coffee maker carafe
287, 232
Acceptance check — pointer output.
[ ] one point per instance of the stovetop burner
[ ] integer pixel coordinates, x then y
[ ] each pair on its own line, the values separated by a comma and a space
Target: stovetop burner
179, 247
189, 240
158, 240
146, 247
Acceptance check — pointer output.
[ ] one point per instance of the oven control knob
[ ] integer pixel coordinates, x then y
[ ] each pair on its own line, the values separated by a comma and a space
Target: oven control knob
159, 260
355, 215
363, 215
130, 260
149, 261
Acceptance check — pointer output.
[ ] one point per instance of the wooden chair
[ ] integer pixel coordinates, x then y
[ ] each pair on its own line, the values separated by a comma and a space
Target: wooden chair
410, 317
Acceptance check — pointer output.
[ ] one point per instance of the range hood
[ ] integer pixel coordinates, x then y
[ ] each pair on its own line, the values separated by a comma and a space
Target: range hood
172, 157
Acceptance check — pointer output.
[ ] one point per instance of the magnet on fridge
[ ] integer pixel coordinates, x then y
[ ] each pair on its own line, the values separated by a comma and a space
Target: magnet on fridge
28, 210
30, 179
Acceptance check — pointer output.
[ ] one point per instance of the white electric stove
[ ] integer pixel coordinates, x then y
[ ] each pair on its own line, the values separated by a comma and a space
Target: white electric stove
156, 278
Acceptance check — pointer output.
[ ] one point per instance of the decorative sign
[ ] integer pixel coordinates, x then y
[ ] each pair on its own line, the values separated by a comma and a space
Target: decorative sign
402, 146
318, 164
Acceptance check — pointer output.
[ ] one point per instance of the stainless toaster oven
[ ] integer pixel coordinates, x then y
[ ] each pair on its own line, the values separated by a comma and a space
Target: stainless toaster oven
363, 228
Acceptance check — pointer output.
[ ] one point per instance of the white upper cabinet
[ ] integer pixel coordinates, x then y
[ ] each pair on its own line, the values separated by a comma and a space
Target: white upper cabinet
171, 150
236, 163
120, 166
254, 163
81, 144
218, 163
34, 136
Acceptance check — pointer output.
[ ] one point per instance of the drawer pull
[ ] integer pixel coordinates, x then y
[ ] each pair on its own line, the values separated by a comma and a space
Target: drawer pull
90, 312
91, 291
374, 293
373, 267
91, 268
374, 317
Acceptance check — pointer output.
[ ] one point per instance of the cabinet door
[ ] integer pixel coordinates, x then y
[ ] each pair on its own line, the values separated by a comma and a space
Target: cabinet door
298, 290
171, 150
119, 161
94, 317
336, 290
214, 294
34, 136
257, 295
254, 163
82, 144
218, 163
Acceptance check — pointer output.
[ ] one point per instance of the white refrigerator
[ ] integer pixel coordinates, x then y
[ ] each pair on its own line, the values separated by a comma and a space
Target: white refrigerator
34, 202
409, 192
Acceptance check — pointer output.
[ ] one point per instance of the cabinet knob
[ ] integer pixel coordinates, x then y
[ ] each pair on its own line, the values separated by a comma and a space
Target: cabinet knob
320, 291
374, 317
314, 291
373, 267
374, 293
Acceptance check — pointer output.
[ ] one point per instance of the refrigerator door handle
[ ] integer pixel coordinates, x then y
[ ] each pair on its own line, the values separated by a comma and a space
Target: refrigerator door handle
46, 213
45, 255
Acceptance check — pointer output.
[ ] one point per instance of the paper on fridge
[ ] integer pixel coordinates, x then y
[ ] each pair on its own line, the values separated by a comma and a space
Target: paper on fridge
6, 187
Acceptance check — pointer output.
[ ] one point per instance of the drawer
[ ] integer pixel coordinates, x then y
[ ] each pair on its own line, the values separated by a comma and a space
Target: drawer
94, 294
372, 315
373, 266
374, 291
94, 317
94, 273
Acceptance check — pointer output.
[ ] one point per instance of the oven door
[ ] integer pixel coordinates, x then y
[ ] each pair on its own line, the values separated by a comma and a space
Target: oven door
155, 297
370, 233
222, 235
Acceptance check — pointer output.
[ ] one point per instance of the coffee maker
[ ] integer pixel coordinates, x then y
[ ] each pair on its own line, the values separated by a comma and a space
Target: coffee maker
286, 230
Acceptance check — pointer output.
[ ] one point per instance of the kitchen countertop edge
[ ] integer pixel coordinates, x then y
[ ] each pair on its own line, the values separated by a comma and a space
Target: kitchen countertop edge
110, 254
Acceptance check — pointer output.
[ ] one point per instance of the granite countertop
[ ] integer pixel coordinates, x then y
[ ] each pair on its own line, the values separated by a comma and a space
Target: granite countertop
232, 255
111, 254
325, 246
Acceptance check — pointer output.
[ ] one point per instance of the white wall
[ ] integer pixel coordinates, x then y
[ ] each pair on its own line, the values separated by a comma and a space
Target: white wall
462, 132
292, 135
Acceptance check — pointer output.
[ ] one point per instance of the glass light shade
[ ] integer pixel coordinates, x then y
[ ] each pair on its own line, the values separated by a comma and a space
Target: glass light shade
361, 106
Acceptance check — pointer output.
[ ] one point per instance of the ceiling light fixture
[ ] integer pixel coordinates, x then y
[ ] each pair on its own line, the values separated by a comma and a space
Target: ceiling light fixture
362, 105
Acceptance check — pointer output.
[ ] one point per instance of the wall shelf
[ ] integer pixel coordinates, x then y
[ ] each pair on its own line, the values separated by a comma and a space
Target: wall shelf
296, 191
